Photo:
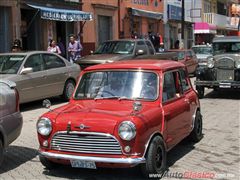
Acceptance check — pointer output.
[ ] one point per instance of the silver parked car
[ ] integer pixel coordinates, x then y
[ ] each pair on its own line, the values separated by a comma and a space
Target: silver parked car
39, 74
10, 116
202, 52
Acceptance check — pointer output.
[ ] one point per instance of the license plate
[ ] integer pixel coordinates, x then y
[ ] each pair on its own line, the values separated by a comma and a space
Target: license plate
83, 164
225, 85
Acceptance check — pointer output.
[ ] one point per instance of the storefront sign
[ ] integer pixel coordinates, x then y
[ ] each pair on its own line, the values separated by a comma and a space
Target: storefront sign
62, 14
141, 2
174, 12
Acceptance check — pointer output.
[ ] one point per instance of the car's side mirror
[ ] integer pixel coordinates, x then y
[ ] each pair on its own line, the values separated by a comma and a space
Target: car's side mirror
139, 52
26, 70
46, 103
91, 52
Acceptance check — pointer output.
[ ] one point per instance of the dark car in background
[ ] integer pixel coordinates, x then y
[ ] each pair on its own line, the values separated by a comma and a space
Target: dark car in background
223, 68
187, 57
202, 52
10, 116
115, 50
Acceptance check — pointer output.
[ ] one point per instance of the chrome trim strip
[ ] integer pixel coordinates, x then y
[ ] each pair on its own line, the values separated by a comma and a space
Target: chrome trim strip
95, 159
147, 144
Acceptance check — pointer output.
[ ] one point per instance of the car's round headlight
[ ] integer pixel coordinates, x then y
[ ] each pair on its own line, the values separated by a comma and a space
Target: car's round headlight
210, 62
237, 64
127, 130
44, 126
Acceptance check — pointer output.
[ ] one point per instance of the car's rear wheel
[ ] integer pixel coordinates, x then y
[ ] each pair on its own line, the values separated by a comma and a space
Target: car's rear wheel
1, 152
196, 134
156, 158
68, 89
47, 163
200, 91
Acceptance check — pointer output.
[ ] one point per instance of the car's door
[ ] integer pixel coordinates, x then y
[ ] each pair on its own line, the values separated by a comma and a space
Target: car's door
31, 86
57, 74
175, 107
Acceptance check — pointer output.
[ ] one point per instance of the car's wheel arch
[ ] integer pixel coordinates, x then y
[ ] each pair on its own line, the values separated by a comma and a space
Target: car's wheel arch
69, 79
150, 139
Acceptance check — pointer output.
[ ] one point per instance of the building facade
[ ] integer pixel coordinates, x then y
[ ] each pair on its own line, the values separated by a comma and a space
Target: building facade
141, 18
215, 17
36, 22
104, 25
173, 23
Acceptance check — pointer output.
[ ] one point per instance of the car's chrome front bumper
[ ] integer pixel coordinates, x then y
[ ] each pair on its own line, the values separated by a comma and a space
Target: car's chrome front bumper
130, 161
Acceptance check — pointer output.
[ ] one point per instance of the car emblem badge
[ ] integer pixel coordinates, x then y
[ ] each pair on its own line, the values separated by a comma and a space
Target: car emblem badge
82, 126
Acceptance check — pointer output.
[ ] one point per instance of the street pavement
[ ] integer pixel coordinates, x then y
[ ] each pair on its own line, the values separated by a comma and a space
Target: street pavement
216, 156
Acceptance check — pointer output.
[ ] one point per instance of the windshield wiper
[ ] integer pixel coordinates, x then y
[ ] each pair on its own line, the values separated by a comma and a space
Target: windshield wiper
110, 97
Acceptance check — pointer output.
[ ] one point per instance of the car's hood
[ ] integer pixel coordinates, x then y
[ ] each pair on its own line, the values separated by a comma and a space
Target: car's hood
97, 116
10, 77
228, 55
101, 58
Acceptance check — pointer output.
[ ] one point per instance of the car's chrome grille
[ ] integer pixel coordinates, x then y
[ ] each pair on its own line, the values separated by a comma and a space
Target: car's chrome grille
225, 63
85, 143
225, 75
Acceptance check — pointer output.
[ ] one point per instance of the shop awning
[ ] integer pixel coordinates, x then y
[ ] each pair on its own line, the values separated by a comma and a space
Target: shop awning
59, 14
148, 14
204, 28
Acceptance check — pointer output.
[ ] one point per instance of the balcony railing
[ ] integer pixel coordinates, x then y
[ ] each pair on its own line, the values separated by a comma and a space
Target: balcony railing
221, 21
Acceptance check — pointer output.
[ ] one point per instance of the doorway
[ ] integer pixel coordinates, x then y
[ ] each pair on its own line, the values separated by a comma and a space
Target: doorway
104, 28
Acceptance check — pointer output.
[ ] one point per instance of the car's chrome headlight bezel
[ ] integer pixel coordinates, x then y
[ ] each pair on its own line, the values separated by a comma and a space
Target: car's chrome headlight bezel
237, 64
44, 126
127, 130
210, 62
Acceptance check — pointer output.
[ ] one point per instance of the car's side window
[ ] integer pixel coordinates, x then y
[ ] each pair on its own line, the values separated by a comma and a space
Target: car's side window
171, 87
53, 61
184, 81
150, 47
36, 62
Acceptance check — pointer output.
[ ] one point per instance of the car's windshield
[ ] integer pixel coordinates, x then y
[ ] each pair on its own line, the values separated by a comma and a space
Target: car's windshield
226, 47
118, 84
10, 64
202, 50
115, 47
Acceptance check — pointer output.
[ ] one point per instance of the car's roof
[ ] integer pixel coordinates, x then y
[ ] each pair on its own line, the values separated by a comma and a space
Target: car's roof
25, 53
203, 45
127, 40
145, 64
227, 38
178, 50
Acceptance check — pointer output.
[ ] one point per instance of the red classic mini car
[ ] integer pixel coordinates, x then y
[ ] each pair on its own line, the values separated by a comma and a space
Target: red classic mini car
122, 114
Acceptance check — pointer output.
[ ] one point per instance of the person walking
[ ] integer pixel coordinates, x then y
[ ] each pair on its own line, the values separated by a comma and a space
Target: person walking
53, 47
74, 49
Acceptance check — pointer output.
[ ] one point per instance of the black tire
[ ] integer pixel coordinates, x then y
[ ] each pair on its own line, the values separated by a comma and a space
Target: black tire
196, 134
1, 152
156, 158
47, 163
200, 91
68, 89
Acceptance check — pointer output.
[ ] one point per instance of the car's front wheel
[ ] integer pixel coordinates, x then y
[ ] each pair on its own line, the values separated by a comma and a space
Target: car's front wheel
68, 89
200, 91
156, 158
47, 163
196, 134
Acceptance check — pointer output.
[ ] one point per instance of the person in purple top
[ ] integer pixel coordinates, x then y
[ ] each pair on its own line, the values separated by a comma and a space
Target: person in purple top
74, 48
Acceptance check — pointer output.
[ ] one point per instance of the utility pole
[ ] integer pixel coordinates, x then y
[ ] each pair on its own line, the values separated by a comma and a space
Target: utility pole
182, 23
